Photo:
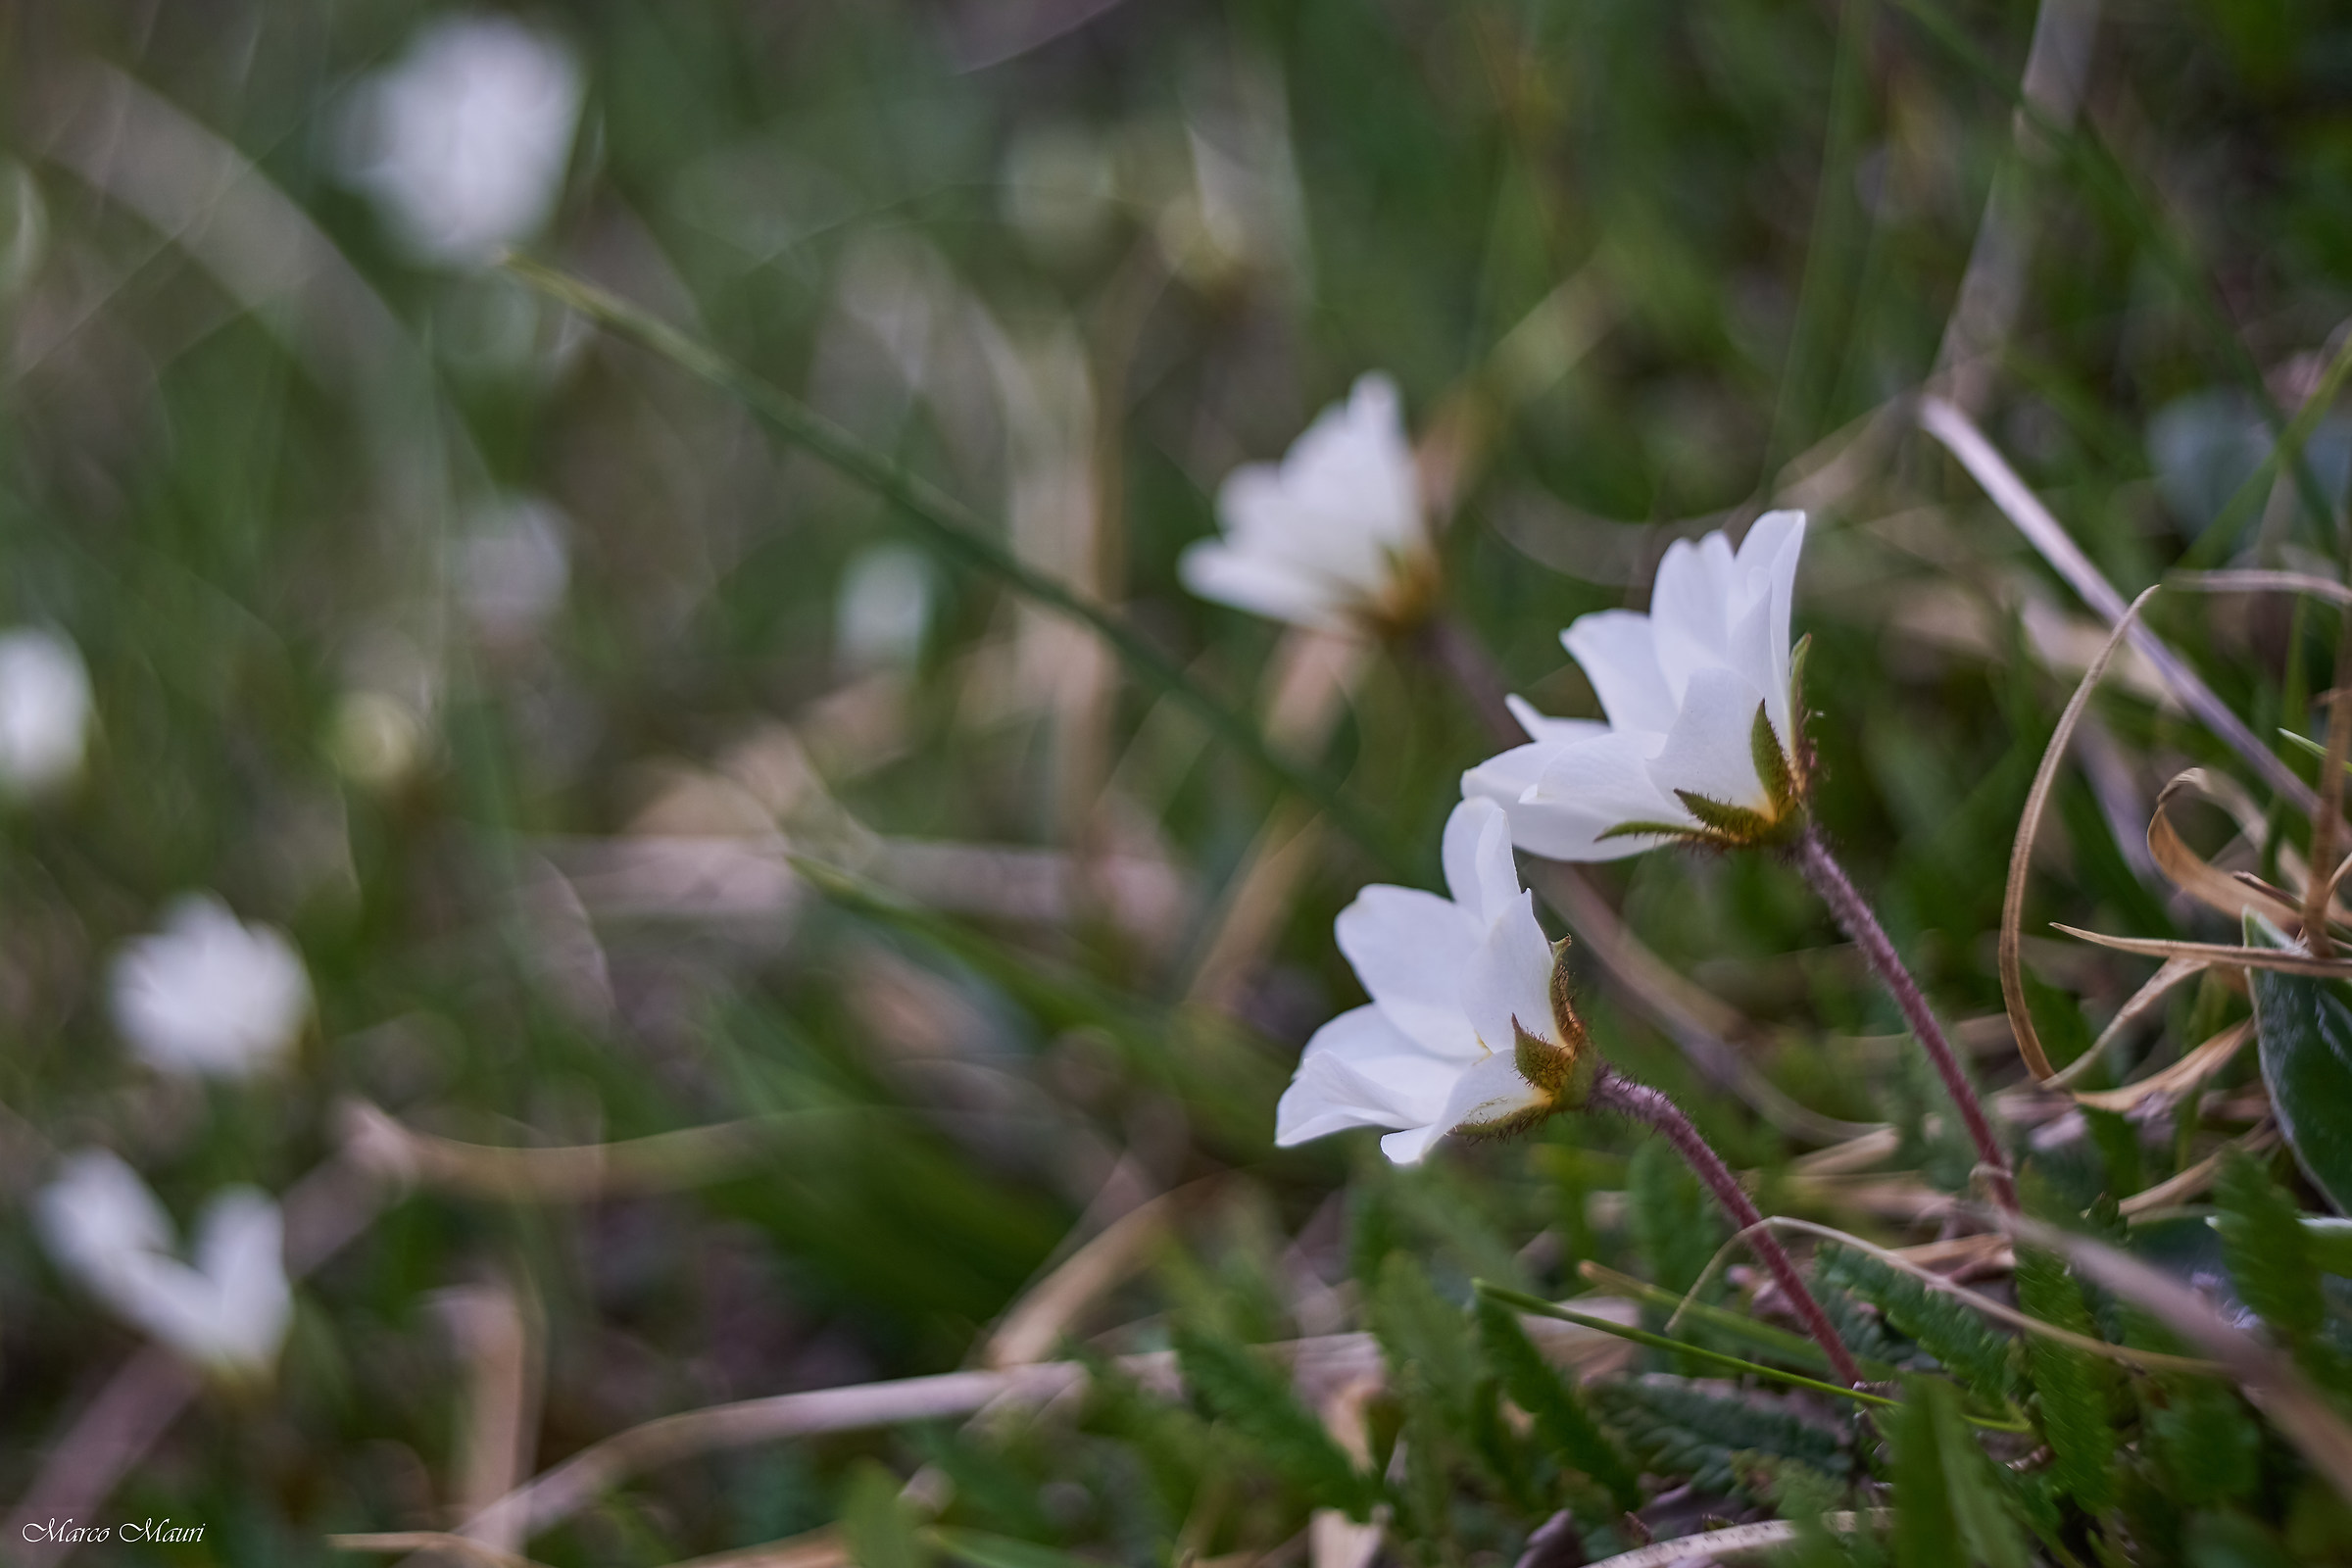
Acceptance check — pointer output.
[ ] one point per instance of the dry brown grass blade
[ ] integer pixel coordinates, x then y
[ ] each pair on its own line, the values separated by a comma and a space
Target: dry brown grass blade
433, 1543
1036, 1323
664, 1163
817, 1549
2021, 855
2178, 1079
2199, 877
2255, 582
495, 1336
2188, 1181
2025, 511
2218, 953
2268, 1378
556, 1495
2140, 1003
2327, 822
1740, 1540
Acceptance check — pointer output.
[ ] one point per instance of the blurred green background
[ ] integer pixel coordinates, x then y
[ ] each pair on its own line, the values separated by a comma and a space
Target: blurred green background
502, 665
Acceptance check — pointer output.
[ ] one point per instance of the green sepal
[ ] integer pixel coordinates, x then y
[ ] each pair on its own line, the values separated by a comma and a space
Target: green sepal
1658, 830
1735, 823
1771, 764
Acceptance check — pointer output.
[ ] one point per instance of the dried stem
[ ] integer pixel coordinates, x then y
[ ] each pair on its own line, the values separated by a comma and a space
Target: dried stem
1855, 918
1613, 1091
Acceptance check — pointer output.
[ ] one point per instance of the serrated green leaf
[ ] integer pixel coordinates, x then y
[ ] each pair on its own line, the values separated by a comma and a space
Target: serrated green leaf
1553, 1404
1736, 822
1946, 1329
2072, 1389
2304, 1029
1421, 1331
1239, 1388
2268, 1255
1679, 1428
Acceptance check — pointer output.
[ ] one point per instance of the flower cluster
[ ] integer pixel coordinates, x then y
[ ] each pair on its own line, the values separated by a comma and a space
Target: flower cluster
1469, 1029
205, 996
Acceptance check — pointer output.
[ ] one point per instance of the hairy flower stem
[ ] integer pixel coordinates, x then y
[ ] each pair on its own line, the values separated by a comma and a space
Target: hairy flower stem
1613, 1092
1855, 918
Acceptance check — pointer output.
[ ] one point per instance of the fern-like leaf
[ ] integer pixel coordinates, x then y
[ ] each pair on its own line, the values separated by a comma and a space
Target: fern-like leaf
2072, 1388
2270, 1260
1236, 1387
1552, 1402
1946, 1329
1679, 1427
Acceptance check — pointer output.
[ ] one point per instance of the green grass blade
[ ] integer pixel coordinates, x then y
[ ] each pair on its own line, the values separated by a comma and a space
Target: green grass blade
961, 534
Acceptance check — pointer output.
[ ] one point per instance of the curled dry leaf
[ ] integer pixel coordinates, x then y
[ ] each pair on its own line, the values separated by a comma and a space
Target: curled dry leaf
2180, 1077
2021, 855
2218, 952
2198, 877
2141, 1002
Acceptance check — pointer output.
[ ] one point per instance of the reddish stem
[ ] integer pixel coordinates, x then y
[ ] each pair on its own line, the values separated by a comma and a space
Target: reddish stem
1855, 918
1640, 1103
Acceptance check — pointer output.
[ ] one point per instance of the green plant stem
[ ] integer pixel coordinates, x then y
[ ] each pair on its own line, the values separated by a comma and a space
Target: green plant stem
958, 531
1613, 1091
1854, 918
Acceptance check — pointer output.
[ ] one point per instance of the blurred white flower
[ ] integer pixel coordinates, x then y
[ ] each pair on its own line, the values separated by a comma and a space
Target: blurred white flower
883, 607
209, 994
1334, 536
229, 1310
462, 141
44, 711
1684, 754
1467, 1030
510, 567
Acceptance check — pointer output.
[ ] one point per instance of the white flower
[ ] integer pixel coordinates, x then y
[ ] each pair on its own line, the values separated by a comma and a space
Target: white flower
209, 994
44, 712
462, 142
229, 1310
883, 609
1466, 1031
1334, 535
1681, 687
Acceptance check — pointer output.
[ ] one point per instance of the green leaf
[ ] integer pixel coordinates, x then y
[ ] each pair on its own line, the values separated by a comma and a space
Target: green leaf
1239, 1388
2072, 1388
1421, 1331
1949, 1507
1772, 763
2263, 1242
1946, 1329
1679, 1429
877, 1523
1674, 1228
2304, 1026
1553, 1404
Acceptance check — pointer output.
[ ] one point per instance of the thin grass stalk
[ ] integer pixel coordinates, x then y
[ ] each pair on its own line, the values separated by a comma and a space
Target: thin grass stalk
1854, 918
1613, 1091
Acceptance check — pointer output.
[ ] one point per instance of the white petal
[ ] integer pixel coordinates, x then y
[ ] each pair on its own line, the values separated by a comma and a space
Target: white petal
1589, 789
1408, 1147
1214, 570
1543, 727
1712, 750
1489, 1093
1479, 870
1770, 551
1409, 948
1360, 1072
1618, 650
1509, 980
1690, 610
95, 1214
240, 1249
